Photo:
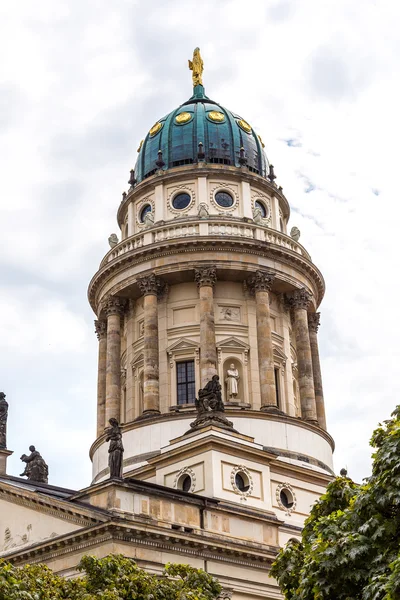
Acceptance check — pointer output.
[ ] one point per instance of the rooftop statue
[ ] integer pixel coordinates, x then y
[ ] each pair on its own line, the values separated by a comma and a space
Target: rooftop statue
36, 469
115, 449
3, 420
210, 407
196, 66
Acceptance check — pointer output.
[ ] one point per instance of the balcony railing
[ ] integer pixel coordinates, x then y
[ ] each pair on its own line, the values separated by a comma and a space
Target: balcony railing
202, 228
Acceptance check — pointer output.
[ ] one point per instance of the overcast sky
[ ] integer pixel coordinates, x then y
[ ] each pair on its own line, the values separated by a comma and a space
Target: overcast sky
82, 83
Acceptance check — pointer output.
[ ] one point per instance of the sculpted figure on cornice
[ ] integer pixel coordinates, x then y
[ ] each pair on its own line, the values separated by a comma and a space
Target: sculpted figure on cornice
210, 407
313, 321
151, 285
115, 449
261, 281
3, 420
205, 276
36, 469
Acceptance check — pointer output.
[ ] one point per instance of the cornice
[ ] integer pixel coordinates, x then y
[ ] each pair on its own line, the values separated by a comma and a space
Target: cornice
249, 414
183, 173
202, 544
202, 244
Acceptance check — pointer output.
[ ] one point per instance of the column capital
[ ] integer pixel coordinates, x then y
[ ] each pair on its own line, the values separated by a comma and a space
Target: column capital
100, 328
205, 276
261, 281
115, 305
300, 299
151, 285
313, 321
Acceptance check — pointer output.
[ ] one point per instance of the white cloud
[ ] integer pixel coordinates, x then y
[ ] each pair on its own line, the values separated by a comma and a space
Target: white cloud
81, 86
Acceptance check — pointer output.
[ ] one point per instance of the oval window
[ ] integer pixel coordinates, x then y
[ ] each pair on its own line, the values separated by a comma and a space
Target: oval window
145, 210
262, 208
242, 482
224, 199
286, 498
184, 483
181, 201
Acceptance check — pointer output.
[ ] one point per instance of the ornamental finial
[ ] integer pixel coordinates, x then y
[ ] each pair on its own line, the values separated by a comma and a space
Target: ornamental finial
196, 66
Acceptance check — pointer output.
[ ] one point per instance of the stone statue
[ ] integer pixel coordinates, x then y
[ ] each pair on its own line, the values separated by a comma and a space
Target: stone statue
343, 472
295, 234
115, 449
113, 240
148, 219
232, 380
210, 408
202, 211
258, 218
36, 469
3, 420
197, 67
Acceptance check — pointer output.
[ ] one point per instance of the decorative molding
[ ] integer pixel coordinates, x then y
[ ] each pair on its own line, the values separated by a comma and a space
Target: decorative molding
115, 305
186, 471
237, 470
282, 487
314, 321
180, 189
261, 281
205, 276
224, 187
183, 347
151, 285
100, 327
300, 299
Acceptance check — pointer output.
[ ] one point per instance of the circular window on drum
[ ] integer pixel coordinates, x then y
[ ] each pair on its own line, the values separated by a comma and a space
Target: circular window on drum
224, 199
181, 201
185, 480
262, 208
286, 498
241, 481
145, 211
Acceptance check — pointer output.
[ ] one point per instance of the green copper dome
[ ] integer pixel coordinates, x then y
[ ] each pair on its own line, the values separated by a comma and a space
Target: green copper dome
200, 130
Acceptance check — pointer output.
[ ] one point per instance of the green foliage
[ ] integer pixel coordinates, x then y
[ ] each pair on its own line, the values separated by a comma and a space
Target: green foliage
114, 577
350, 547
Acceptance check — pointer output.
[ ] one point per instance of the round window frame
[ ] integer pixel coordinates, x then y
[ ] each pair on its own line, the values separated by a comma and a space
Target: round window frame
229, 193
141, 211
181, 193
286, 487
242, 470
180, 477
260, 203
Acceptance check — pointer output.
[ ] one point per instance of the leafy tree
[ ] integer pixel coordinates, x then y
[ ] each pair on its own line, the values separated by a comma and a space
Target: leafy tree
350, 547
114, 577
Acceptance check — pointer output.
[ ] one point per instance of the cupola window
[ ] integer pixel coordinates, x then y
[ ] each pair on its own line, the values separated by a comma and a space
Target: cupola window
261, 206
181, 201
185, 379
145, 210
224, 199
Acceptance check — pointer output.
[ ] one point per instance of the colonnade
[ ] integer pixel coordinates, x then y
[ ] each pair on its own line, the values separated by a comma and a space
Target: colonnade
305, 327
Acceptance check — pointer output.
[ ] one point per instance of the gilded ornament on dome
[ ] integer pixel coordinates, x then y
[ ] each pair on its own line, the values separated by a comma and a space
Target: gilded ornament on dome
261, 142
155, 129
244, 125
140, 145
197, 68
183, 117
216, 116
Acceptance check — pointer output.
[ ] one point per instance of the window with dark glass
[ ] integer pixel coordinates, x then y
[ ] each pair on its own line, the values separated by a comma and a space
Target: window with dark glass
262, 208
224, 199
181, 201
185, 382
146, 209
277, 390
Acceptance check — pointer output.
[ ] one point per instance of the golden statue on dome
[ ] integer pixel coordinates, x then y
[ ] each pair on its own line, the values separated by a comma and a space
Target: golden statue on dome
196, 66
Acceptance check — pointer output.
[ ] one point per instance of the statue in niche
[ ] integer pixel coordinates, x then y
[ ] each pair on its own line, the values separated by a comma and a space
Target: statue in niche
148, 219
36, 469
232, 382
258, 217
210, 407
113, 240
295, 234
202, 211
115, 449
3, 420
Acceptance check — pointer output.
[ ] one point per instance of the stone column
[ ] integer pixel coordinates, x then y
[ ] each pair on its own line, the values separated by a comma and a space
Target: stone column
205, 278
261, 283
101, 332
300, 300
114, 310
313, 324
151, 286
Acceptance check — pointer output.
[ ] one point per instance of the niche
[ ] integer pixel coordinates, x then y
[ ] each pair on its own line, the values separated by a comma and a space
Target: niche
230, 384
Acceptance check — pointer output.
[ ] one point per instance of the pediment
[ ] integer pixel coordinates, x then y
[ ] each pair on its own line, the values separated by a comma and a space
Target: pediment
233, 342
183, 344
279, 355
137, 359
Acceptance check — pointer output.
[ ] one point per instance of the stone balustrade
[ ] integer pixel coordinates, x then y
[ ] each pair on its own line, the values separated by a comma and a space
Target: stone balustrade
213, 227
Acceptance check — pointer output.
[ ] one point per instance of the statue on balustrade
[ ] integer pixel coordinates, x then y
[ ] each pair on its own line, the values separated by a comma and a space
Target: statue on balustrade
210, 407
36, 469
3, 420
115, 449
